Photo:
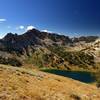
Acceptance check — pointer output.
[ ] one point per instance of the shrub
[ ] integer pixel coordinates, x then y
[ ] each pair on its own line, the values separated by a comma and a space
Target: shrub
78, 58
10, 61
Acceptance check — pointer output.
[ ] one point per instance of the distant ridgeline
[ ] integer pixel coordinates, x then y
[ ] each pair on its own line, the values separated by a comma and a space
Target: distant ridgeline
50, 50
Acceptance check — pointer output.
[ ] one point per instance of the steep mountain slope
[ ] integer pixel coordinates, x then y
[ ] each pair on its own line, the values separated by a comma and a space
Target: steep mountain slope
24, 84
51, 50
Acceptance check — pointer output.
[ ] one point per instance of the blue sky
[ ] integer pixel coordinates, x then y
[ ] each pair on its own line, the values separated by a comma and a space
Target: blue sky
69, 17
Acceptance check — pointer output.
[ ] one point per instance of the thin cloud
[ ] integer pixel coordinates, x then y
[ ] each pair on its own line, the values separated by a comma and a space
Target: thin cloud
21, 27
1, 36
8, 27
30, 27
46, 31
2, 20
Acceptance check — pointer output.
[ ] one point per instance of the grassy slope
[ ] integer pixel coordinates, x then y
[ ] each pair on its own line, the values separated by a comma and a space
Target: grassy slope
24, 84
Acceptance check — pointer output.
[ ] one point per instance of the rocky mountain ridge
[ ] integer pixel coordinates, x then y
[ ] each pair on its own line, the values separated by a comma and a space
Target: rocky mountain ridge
36, 37
49, 50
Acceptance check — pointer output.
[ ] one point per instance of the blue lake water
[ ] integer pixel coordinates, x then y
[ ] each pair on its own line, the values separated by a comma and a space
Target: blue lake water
86, 77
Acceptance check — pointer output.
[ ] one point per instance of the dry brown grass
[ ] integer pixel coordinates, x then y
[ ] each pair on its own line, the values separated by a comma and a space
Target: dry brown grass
24, 84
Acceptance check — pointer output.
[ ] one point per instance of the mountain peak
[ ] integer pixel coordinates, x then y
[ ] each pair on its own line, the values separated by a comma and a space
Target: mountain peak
32, 30
9, 36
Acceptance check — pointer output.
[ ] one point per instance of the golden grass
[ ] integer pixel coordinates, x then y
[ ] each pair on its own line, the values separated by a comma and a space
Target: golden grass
26, 84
